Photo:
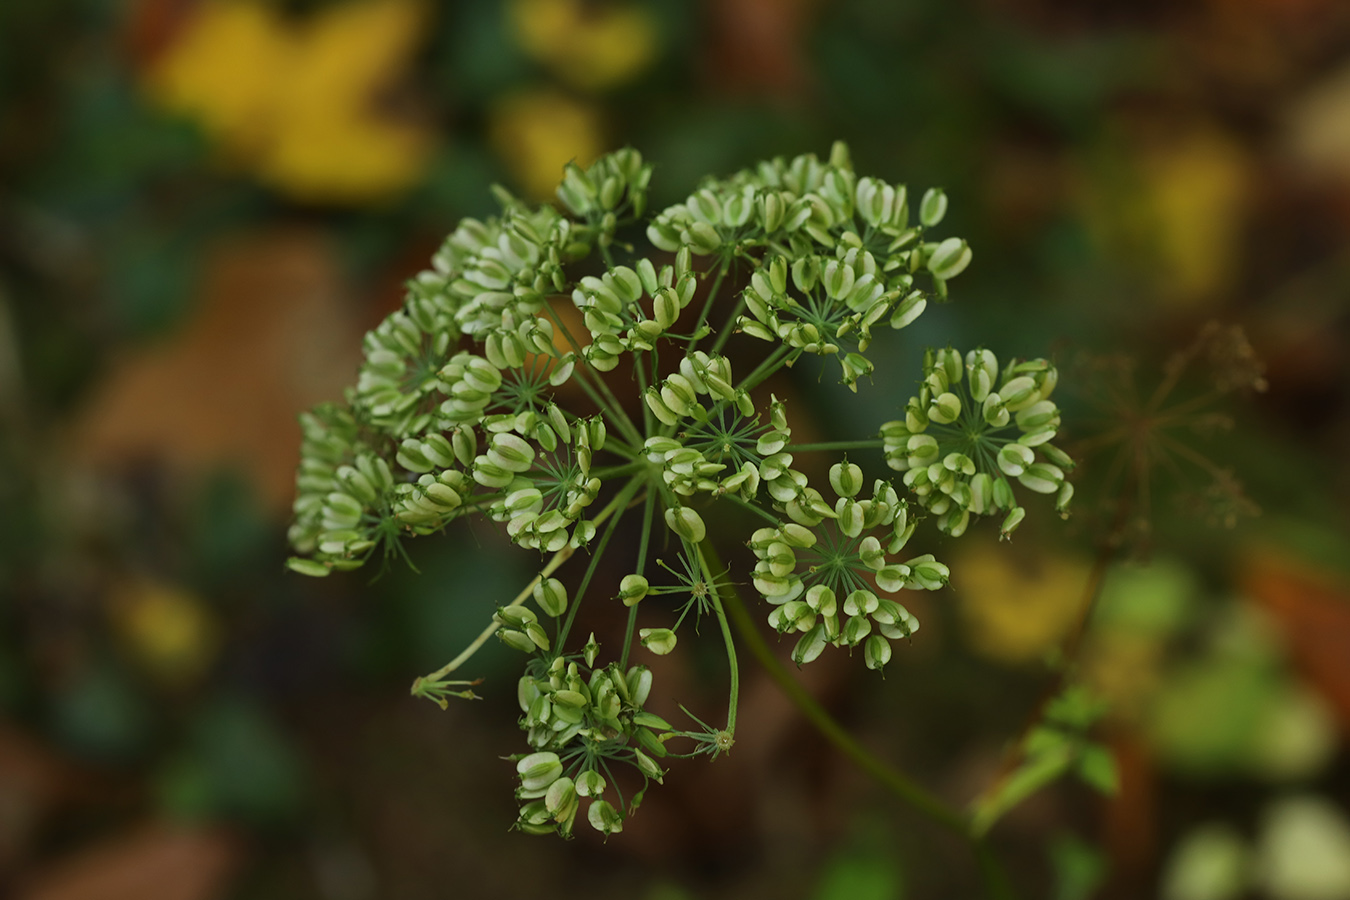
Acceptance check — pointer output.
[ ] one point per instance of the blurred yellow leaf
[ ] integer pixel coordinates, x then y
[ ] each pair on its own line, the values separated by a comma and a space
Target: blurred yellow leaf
1175, 207
538, 132
587, 46
1017, 606
296, 101
166, 629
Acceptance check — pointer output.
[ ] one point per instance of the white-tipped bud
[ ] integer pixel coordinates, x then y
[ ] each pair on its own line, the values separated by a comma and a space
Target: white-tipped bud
686, 523
551, 596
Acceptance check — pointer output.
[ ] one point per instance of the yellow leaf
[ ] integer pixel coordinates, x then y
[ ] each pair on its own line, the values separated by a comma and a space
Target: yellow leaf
588, 47
295, 102
1017, 607
166, 629
538, 132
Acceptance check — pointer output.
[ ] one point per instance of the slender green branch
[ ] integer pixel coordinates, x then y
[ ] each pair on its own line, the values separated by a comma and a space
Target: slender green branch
705, 550
586, 371
772, 363
873, 444
620, 503
898, 783
728, 329
708, 304
649, 510
549, 568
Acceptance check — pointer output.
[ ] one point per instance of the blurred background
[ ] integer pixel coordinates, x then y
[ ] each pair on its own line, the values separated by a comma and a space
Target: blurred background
203, 204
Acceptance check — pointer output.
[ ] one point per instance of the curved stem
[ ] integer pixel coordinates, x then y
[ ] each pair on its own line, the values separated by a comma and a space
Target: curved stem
549, 568
897, 782
705, 550
997, 886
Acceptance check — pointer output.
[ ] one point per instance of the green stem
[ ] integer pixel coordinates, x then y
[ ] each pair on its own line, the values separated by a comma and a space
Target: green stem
707, 306
706, 550
585, 371
766, 368
898, 783
729, 328
620, 502
549, 568
649, 510
874, 444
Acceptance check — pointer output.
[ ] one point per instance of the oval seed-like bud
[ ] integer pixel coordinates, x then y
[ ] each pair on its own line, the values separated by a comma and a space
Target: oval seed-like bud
945, 408
1011, 521
810, 646
632, 589
639, 685
909, 309
932, 207
949, 258
1063, 499
515, 616
604, 818
590, 783
1013, 459
846, 478
308, 567
511, 452
856, 629
551, 596
926, 573
516, 640
646, 273
876, 652
539, 770
1042, 478
659, 641
686, 523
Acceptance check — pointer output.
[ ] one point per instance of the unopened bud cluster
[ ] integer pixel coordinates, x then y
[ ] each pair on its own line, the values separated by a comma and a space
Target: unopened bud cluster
972, 428
545, 374
822, 570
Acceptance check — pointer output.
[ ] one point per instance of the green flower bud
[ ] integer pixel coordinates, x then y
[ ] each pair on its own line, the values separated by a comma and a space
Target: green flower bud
927, 573
639, 685
307, 567
809, 646
932, 207
1011, 521
649, 767
1063, 499
537, 635
949, 258
510, 452
945, 409
658, 640
1014, 459
686, 523
515, 617
604, 818
551, 596
539, 770
908, 310
590, 783
1042, 478
876, 652
516, 640
632, 589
